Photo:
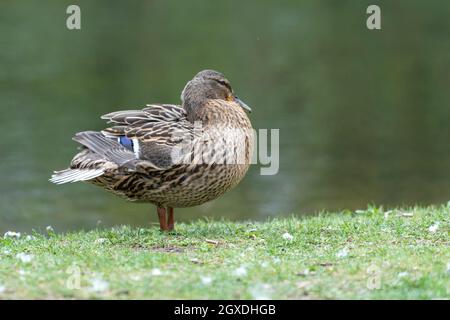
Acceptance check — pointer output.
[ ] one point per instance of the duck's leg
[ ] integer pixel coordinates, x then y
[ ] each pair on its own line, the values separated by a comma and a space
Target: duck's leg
162, 218
170, 219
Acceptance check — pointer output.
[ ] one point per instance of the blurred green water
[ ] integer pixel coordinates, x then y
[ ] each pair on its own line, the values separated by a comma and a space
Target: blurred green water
363, 115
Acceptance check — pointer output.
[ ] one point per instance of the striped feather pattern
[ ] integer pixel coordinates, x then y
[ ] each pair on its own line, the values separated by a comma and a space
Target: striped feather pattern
161, 124
75, 175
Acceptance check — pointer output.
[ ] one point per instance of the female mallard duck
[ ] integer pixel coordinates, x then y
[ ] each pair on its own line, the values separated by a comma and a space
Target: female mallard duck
171, 156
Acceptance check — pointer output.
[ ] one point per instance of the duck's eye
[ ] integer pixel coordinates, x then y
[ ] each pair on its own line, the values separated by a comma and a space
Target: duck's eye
225, 84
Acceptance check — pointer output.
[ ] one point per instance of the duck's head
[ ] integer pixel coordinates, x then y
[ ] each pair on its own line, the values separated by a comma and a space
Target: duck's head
209, 84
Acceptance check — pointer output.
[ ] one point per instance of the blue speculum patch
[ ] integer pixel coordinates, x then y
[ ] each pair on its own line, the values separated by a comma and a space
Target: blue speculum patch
126, 142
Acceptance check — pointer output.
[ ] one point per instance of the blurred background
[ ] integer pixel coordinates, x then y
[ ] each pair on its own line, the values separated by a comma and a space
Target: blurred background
363, 115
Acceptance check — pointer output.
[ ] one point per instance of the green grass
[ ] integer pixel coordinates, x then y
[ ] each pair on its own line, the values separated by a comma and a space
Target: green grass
347, 255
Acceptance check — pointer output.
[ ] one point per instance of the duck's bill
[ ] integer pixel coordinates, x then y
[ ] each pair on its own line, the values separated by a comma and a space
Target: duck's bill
242, 104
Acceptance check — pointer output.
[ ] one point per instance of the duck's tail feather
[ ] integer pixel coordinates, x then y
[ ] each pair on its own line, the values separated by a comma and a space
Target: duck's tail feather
74, 175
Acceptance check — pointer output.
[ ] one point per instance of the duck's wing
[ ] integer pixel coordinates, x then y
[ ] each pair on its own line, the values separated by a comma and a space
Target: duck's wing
155, 123
99, 154
152, 133
137, 140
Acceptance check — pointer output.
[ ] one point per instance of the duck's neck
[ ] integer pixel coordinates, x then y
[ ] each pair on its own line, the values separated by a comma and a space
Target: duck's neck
216, 112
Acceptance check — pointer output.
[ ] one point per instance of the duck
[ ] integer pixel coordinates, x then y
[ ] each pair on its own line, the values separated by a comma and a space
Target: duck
168, 155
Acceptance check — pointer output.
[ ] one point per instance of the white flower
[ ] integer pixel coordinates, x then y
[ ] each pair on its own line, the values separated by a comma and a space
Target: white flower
276, 260
98, 285
405, 214
342, 253
100, 240
6, 251
287, 236
156, 272
29, 238
195, 260
49, 229
402, 274
387, 214
206, 280
261, 291
240, 272
135, 277
448, 267
434, 228
2, 289
24, 257
11, 234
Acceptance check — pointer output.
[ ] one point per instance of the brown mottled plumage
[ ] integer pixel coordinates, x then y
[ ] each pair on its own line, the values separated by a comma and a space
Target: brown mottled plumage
169, 155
